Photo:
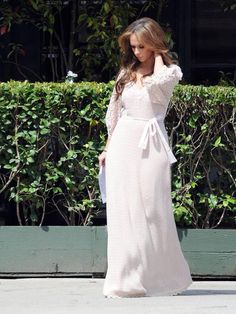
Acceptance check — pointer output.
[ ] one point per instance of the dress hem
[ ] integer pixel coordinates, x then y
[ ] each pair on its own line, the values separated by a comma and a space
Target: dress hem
170, 293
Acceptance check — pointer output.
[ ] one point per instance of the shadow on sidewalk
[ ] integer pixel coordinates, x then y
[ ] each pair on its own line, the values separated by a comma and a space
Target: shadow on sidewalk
191, 292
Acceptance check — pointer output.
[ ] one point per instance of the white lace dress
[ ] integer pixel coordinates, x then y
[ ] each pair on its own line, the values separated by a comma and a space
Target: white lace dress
143, 251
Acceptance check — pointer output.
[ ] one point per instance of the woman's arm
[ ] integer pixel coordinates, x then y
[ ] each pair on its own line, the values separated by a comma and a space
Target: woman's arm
112, 117
102, 156
161, 83
158, 64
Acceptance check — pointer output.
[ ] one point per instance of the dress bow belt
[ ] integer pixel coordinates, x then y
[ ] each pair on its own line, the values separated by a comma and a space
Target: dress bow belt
152, 128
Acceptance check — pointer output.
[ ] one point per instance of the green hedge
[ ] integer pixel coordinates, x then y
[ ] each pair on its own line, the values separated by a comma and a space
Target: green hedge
51, 135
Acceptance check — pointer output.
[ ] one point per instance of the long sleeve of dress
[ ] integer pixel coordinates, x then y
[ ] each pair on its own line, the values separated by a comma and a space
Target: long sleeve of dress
113, 112
160, 85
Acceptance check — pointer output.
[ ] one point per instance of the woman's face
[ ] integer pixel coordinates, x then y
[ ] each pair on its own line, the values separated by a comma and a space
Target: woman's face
141, 52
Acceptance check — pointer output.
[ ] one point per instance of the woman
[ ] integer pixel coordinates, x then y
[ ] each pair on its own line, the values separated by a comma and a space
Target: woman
143, 250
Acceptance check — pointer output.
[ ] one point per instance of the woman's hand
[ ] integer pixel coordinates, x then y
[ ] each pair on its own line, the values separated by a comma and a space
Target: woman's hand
157, 54
102, 158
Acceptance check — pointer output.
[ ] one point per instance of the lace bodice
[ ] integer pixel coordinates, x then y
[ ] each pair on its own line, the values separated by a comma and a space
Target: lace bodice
147, 101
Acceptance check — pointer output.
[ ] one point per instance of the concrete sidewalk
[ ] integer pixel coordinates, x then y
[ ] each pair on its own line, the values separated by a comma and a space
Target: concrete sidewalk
84, 295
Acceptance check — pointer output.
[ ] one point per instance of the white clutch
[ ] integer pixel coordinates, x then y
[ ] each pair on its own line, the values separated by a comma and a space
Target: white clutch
102, 183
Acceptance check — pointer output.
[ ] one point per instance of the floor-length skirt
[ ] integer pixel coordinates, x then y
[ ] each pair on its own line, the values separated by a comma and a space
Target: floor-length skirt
143, 251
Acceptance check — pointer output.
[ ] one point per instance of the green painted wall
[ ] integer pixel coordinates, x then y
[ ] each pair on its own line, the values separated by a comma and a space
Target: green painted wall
210, 252
52, 249
81, 251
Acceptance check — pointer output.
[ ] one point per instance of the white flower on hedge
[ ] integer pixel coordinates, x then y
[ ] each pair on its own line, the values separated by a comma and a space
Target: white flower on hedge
71, 76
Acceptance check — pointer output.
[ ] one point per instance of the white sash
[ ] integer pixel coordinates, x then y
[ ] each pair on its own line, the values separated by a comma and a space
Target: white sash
152, 128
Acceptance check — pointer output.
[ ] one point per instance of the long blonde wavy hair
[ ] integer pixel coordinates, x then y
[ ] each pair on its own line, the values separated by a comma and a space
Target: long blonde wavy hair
148, 32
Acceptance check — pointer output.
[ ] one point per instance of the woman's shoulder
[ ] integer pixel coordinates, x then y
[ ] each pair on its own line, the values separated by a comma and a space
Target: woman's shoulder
166, 73
120, 73
171, 70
